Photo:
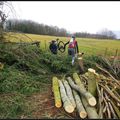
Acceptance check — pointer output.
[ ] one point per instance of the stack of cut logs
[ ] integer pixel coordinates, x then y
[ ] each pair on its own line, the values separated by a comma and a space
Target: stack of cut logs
91, 94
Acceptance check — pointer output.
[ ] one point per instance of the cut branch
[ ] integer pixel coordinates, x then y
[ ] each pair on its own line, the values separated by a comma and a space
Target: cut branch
55, 86
91, 99
80, 108
66, 102
69, 93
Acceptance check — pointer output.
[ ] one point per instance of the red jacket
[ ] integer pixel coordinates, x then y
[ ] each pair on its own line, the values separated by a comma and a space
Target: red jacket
72, 44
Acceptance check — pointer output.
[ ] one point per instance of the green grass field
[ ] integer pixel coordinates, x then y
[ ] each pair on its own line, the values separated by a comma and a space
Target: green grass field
86, 45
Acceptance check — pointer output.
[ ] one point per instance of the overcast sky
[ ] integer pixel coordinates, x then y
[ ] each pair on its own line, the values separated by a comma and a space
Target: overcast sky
73, 16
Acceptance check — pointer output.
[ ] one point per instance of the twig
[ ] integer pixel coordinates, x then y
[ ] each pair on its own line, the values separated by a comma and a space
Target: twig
101, 94
116, 109
99, 102
112, 110
110, 92
107, 107
107, 73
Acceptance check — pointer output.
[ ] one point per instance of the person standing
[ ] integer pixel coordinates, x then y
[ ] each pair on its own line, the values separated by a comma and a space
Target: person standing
73, 48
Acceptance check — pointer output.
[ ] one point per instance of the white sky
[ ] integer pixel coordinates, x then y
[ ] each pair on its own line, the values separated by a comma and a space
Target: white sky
74, 16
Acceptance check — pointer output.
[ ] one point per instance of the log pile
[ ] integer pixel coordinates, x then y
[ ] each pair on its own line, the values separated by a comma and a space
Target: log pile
91, 95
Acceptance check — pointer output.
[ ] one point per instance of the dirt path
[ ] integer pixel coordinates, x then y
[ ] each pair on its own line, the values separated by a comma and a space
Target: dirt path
42, 105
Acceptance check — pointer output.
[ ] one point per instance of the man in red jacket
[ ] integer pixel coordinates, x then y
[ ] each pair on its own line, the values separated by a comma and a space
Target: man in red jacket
73, 48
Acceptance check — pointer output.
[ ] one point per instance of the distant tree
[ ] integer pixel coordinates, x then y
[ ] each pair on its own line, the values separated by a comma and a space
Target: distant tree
28, 26
5, 8
3, 17
107, 33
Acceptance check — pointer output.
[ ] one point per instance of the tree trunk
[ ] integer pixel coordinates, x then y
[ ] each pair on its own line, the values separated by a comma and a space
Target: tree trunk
69, 93
91, 111
56, 91
66, 102
80, 108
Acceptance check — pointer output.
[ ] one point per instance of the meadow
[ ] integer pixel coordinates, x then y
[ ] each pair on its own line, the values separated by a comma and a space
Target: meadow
86, 45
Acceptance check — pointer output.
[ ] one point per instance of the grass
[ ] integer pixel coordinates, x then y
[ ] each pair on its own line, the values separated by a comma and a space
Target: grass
86, 45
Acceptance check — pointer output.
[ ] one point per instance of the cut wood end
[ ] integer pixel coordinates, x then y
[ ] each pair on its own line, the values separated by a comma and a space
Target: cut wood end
91, 70
79, 58
92, 101
69, 109
58, 105
83, 114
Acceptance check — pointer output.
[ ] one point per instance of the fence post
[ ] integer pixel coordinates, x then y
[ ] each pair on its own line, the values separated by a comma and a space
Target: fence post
45, 44
116, 53
105, 52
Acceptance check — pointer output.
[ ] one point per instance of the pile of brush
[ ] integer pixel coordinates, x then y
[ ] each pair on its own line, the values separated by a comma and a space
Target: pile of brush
91, 94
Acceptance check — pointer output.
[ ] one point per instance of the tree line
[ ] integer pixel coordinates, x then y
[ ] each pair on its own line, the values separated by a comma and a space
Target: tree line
29, 26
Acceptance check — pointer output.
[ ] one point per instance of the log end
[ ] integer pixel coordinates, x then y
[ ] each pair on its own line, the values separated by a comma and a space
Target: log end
92, 101
58, 105
83, 114
91, 70
69, 109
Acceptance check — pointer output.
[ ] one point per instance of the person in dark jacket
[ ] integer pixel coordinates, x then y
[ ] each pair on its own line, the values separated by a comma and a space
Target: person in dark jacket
53, 47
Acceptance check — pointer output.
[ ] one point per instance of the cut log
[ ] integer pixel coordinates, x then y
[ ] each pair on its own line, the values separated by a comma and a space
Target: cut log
91, 111
91, 99
66, 102
80, 62
56, 91
92, 79
69, 93
80, 108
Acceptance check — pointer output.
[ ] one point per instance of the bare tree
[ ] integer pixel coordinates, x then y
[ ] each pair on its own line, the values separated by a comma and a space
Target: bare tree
4, 5
107, 33
2, 19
